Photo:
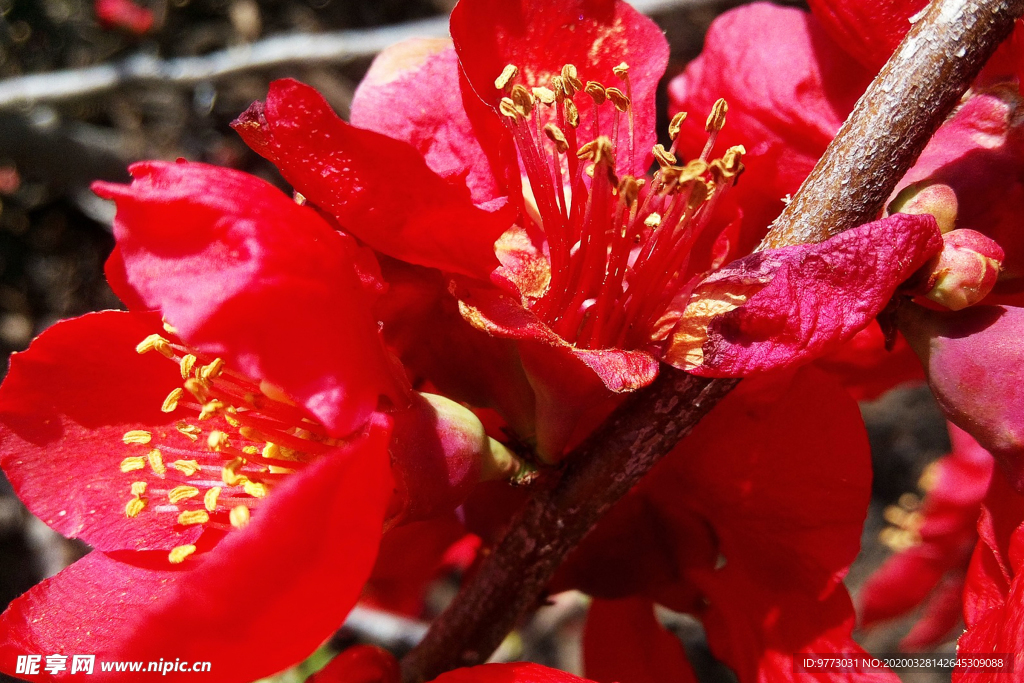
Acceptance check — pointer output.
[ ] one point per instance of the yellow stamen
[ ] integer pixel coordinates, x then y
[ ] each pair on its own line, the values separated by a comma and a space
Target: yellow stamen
508, 108
193, 517
134, 507
239, 516
570, 80
210, 499
716, 119
622, 70
217, 440
171, 402
213, 370
663, 156
596, 91
180, 493
507, 74
178, 555
618, 98
229, 473
169, 328
556, 136
191, 431
653, 221
545, 95
210, 409
187, 467
139, 436
255, 489
676, 124
186, 365
156, 461
155, 342
138, 488
629, 190
523, 99
572, 114
132, 463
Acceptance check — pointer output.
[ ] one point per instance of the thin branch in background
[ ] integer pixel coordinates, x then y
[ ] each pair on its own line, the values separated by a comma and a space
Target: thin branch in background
906, 102
337, 48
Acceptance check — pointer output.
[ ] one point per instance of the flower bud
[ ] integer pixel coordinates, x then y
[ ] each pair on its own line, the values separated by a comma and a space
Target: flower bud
975, 366
963, 273
928, 197
439, 451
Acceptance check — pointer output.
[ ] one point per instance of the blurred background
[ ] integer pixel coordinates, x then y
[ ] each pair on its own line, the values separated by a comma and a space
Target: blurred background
86, 89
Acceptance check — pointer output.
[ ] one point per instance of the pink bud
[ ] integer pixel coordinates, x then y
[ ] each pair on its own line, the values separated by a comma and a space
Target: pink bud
439, 451
963, 273
975, 365
928, 197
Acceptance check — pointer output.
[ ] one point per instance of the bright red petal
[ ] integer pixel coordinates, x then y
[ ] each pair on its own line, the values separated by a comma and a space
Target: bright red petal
412, 93
624, 643
789, 90
593, 35
64, 408
244, 273
380, 189
520, 672
869, 30
360, 664
799, 302
260, 601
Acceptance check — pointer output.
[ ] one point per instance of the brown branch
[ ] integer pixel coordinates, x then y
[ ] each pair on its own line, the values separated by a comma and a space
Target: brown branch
894, 119
891, 124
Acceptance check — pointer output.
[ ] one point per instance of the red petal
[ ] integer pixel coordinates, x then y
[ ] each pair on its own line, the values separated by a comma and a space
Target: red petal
260, 601
64, 408
123, 14
624, 643
520, 672
246, 274
867, 369
360, 664
593, 35
869, 30
789, 90
800, 302
411, 93
380, 189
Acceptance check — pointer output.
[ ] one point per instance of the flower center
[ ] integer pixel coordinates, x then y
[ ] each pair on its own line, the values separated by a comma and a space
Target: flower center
618, 248
233, 442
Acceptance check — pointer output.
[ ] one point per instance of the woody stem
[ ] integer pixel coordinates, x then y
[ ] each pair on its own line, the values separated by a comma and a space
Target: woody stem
889, 127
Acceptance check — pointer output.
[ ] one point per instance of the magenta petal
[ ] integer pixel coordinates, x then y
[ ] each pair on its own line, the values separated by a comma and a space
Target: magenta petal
246, 274
260, 601
64, 408
799, 302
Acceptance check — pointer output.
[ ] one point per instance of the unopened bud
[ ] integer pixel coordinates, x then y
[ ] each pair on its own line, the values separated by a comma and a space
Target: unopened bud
928, 197
964, 272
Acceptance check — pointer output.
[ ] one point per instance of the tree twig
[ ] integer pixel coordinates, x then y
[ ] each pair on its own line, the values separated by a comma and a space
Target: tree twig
894, 119
889, 127
304, 48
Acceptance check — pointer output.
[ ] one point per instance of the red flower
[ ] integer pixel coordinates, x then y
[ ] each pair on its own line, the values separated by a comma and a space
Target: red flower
935, 545
522, 131
229, 465
123, 14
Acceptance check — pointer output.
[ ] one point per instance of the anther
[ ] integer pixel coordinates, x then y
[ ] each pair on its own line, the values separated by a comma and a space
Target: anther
210, 409
572, 114
653, 221
210, 498
255, 489
698, 195
156, 461
155, 342
629, 190
622, 70
217, 440
132, 463
570, 80
523, 99
213, 370
545, 95
596, 91
186, 467
134, 507
193, 517
618, 98
180, 493
556, 136
187, 363
191, 431
507, 74
508, 108
716, 119
663, 156
198, 388
178, 555
169, 328
675, 125
229, 473
171, 402
239, 516
138, 488
558, 88
139, 436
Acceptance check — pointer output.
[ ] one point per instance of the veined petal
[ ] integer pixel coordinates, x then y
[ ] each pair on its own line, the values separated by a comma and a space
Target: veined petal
258, 602
246, 274
380, 189
780, 308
